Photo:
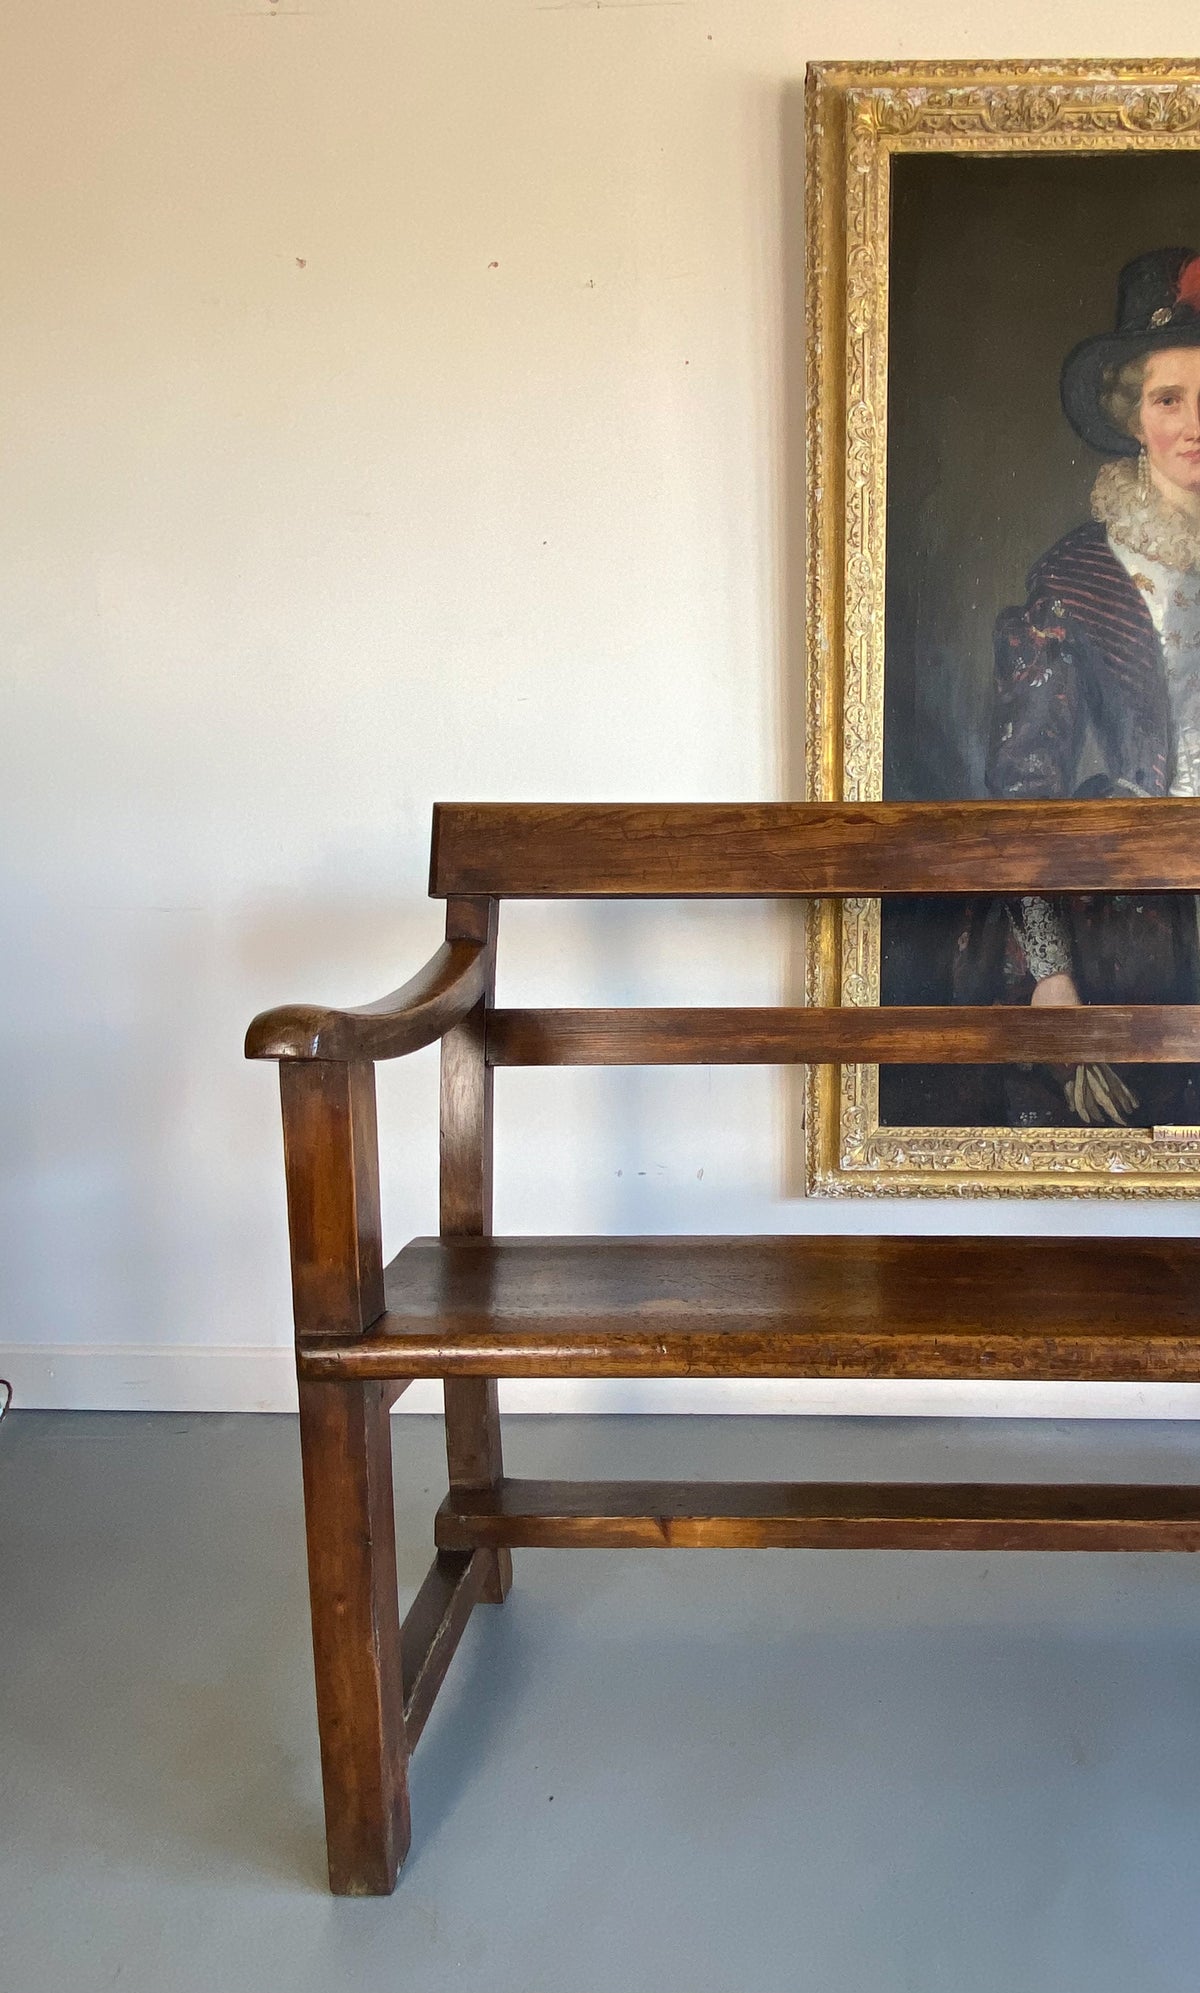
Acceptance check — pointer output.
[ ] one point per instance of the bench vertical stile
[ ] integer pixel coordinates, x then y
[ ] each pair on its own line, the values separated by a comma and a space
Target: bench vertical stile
331, 1156
473, 1448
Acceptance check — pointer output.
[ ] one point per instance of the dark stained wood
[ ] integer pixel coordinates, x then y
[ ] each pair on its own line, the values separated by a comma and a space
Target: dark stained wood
331, 1159
475, 1459
473, 1446
945, 1035
346, 1452
831, 1515
332, 1163
433, 1627
466, 1095
798, 1306
470, 1308
447, 988
768, 850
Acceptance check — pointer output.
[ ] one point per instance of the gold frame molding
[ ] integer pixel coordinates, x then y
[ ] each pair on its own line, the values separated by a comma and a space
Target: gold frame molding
858, 116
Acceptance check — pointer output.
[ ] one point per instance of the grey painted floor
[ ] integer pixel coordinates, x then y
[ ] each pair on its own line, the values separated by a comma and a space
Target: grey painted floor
711, 1773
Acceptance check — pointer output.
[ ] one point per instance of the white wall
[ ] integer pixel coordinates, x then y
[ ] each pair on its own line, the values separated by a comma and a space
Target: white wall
402, 400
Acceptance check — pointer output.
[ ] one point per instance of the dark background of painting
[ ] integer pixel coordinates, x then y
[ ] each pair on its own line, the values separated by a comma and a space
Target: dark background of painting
998, 266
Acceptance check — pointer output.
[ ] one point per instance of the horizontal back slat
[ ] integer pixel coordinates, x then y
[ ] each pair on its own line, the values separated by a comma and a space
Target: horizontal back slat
1153, 1034
800, 850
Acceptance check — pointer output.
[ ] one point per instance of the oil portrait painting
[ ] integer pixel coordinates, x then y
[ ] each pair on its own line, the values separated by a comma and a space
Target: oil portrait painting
1005, 580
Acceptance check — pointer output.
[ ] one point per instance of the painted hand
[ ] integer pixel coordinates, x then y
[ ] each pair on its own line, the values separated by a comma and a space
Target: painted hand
1099, 1096
1056, 989
1095, 1093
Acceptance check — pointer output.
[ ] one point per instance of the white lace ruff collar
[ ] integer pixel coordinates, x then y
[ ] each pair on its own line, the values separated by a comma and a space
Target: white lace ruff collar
1142, 520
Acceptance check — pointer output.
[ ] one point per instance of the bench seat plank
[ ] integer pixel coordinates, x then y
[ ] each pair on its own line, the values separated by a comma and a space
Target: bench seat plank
820, 1515
1119, 1309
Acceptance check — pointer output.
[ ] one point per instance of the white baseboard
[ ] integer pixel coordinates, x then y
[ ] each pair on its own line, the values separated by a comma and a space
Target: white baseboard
110, 1378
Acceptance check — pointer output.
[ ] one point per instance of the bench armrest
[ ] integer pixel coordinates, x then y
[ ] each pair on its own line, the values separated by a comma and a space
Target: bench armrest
439, 996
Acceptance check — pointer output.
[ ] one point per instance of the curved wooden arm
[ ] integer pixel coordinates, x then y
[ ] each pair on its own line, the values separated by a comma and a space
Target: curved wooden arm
438, 996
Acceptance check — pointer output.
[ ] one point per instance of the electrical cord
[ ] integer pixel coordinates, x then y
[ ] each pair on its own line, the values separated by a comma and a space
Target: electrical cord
6, 1387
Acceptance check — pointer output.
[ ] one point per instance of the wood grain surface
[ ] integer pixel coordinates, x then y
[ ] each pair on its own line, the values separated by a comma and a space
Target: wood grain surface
936, 1035
345, 1444
421, 1011
331, 1164
474, 1450
829, 1515
434, 1625
765, 850
801, 1306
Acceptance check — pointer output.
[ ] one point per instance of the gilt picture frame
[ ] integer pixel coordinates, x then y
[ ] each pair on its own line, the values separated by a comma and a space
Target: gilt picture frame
967, 223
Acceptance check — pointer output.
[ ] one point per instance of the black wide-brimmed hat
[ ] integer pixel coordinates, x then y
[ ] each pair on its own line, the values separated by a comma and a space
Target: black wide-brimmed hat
1158, 305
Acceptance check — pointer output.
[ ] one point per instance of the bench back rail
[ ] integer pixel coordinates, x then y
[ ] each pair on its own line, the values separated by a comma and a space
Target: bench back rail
801, 850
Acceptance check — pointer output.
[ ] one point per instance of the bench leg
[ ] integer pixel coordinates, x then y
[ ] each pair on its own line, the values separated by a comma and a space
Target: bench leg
475, 1460
346, 1448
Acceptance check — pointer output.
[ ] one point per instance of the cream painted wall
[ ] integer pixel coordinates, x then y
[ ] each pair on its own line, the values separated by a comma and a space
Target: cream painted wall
401, 401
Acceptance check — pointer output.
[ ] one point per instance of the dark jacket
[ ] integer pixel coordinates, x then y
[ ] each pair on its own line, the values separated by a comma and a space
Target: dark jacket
1079, 669
1082, 648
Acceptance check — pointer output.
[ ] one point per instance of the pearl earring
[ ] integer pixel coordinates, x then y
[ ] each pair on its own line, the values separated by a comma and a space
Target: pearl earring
1143, 473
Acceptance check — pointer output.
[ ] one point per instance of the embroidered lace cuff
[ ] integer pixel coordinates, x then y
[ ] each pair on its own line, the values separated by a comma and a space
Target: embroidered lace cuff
1044, 938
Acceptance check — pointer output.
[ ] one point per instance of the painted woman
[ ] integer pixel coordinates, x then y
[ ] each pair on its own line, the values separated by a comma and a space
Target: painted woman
1097, 693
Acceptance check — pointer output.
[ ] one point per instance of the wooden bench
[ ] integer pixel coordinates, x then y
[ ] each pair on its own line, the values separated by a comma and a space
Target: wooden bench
470, 1309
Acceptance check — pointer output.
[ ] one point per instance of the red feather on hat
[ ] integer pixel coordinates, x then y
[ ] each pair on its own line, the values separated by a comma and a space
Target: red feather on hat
1189, 284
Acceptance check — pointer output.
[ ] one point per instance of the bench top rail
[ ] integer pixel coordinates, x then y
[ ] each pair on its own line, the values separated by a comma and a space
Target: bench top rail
806, 850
